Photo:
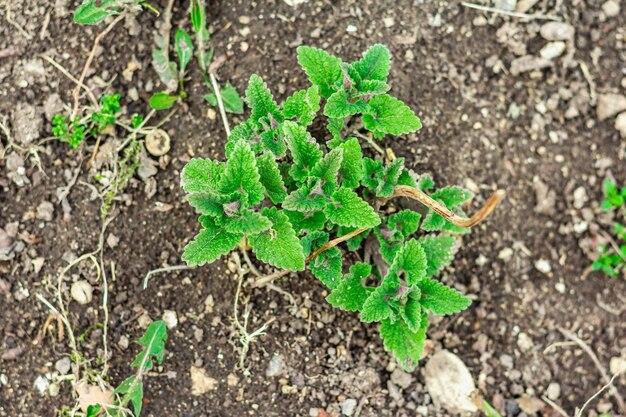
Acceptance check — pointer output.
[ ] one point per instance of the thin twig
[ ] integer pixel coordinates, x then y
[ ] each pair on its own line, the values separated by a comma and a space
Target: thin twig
75, 80
15, 24
369, 140
537, 16
592, 85
605, 376
92, 54
220, 104
607, 385
271, 277
164, 269
554, 405
335, 242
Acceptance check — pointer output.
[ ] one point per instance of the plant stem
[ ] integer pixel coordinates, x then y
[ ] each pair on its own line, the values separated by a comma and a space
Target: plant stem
410, 192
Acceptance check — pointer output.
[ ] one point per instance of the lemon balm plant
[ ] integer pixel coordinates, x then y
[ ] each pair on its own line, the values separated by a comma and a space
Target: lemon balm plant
294, 199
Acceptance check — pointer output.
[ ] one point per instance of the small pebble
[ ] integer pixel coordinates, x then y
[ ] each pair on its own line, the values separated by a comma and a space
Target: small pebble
348, 406
276, 366
543, 266
82, 292
553, 391
170, 319
611, 8
63, 365
557, 31
524, 342
552, 50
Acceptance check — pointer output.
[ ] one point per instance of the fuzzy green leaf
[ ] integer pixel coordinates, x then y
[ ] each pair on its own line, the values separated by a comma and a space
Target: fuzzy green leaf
306, 200
184, 49
303, 105
410, 260
305, 151
441, 299
241, 174
390, 115
327, 267
201, 175
279, 246
348, 209
261, 102
248, 222
208, 203
351, 170
312, 241
327, 170
339, 105
334, 127
310, 221
212, 242
375, 63
233, 103
350, 294
271, 178
376, 306
405, 223
406, 346
323, 69
412, 312
372, 88
438, 251
389, 178
452, 198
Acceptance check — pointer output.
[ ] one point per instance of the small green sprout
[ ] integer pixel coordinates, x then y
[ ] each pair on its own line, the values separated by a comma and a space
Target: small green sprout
612, 256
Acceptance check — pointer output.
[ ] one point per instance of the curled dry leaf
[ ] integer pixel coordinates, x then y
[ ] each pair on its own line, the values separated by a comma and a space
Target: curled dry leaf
93, 395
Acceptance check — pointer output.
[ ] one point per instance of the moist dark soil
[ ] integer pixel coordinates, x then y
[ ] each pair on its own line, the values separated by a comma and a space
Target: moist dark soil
526, 267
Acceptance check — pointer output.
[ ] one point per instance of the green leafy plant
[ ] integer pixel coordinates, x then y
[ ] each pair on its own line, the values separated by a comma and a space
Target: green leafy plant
294, 198
186, 48
94, 122
612, 256
92, 12
130, 391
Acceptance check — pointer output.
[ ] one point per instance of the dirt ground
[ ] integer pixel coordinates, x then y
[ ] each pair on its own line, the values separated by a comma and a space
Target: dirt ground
488, 123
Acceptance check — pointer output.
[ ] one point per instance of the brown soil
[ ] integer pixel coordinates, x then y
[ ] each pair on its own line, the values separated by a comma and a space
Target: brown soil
449, 73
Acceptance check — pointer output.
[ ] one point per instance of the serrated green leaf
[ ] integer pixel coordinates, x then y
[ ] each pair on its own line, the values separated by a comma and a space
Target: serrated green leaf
376, 306
372, 88
248, 222
304, 150
372, 174
131, 390
389, 178
279, 246
165, 69
212, 242
348, 209
452, 198
412, 311
438, 251
327, 267
313, 240
91, 13
351, 170
327, 170
406, 346
375, 63
411, 261
201, 175
233, 103
310, 221
184, 49
405, 223
334, 127
271, 178
306, 199
441, 299
272, 140
303, 105
153, 342
162, 101
390, 115
241, 174
261, 102
339, 105
408, 178
243, 132
323, 69
350, 294
208, 203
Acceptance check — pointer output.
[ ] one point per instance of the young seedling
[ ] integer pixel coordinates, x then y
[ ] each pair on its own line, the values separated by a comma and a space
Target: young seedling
612, 257
294, 198
92, 12
130, 392
93, 123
